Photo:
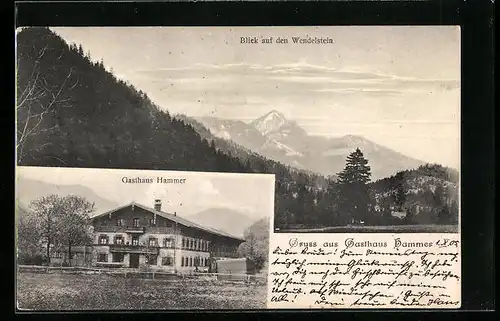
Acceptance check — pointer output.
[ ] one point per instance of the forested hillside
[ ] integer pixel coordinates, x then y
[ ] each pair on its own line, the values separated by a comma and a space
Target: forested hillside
428, 194
72, 112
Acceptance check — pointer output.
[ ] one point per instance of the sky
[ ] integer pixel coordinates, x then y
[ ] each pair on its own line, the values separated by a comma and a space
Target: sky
250, 194
398, 86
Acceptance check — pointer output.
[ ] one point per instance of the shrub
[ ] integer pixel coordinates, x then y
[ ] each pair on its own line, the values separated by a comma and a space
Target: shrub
37, 259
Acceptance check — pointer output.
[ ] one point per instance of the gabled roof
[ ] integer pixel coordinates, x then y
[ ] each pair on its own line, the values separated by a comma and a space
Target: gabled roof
172, 217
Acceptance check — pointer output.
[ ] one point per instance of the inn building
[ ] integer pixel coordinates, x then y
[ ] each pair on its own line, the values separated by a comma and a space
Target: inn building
137, 236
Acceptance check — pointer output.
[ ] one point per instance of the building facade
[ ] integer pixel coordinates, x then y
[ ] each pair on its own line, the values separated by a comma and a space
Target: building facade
137, 236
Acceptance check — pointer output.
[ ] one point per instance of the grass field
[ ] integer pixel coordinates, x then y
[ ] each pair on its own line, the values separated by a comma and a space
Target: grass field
41, 291
377, 229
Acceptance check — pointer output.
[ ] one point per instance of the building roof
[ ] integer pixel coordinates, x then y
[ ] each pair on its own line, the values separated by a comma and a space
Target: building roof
174, 218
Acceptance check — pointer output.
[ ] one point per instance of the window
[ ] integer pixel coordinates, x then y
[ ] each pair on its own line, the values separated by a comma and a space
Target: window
118, 257
119, 222
119, 239
152, 222
151, 259
103, 257
167, 260
135, 240
103, 239
197, 245
136, 222
168, 242
190, 261
183, 243
182, 261
190, 244
153, 241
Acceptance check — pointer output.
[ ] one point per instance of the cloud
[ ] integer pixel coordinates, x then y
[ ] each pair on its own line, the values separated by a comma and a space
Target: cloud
369, 92
193, 80
294, 79
206, 188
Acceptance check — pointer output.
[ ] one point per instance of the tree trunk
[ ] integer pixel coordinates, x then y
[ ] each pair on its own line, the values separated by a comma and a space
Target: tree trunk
48, 250
69, 253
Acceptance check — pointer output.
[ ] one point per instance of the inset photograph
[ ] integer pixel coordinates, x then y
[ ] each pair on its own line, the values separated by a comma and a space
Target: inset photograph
101, 239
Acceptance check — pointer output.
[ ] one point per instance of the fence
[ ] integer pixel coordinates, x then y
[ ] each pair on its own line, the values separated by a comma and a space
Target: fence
134, 273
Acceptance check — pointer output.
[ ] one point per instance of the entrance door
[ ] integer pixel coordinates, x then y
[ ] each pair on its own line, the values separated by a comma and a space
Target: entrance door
134, 260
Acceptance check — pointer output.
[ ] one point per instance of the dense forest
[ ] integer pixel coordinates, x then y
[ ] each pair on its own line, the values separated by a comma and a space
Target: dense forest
73, 112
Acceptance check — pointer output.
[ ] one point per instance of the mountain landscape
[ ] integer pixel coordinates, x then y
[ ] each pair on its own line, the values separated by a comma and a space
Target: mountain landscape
283, 140
30, 190
73, 112
227, 220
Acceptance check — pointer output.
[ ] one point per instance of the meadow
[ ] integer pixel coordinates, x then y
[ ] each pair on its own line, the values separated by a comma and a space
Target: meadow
59, 291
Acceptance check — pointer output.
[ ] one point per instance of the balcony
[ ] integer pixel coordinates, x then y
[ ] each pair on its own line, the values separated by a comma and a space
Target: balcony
135, 230
140, 249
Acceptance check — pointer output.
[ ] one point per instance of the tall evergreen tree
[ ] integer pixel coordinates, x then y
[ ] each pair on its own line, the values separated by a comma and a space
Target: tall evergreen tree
355, 198
356, 169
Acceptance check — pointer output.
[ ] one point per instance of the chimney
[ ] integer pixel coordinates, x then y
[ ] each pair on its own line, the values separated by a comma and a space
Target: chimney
175, 213
158, 205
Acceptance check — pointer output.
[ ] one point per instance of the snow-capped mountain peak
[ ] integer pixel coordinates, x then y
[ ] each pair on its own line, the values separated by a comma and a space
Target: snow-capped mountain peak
270, 122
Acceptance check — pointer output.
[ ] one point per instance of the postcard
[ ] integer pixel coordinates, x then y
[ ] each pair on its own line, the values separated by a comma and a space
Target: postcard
358, 125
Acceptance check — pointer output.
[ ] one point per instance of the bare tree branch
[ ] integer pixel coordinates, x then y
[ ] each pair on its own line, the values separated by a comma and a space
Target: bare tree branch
33, 94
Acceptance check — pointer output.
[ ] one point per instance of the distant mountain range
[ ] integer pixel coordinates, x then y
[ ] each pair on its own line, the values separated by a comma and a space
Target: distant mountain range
275, 137
29, 190
227, 220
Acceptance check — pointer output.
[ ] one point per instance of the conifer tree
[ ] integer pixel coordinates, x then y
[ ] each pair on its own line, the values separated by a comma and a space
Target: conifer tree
355, 198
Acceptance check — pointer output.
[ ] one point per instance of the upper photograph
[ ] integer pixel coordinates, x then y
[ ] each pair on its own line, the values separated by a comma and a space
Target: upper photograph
360, 125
